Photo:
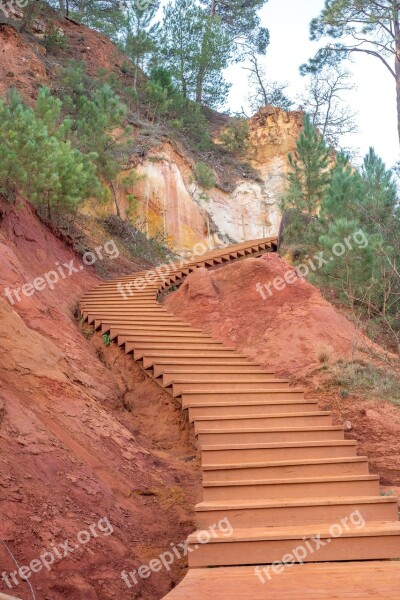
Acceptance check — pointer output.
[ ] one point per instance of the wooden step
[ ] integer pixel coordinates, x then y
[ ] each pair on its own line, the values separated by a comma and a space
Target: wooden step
167, 342
163, 357
266, 545
172, 337
306, 487
286, 512
246, 453
249, 408
179, 387
141, 349
159, 325
379, 580
274, 421
105, 315
267, 435
239, 397
211, 373
165, 330
354, 465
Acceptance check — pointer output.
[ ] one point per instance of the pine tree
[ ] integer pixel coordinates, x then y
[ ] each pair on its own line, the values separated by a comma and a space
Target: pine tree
96, 118
309, 176
196, 50
369, 27
38, 160
141, 33
343, 192
353, 274
379, 194
107, 16
238, 16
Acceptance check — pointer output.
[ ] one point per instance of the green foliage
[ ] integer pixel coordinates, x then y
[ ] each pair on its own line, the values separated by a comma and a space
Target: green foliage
362, 26
335, 206
54, 39
141, 33
158, 99
343, 190
98, 122
196, 49
96, 117
106, 16
106, 339
204, 175
309, 175
236, 137
238, 17
347, 274
164, 100
37, 158
371, 380
191, 122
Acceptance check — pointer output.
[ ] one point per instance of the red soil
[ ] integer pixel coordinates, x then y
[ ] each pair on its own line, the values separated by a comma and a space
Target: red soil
287, 333
84, 435
26, 65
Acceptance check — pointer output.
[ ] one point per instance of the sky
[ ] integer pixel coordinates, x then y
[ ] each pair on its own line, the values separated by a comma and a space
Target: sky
374, 98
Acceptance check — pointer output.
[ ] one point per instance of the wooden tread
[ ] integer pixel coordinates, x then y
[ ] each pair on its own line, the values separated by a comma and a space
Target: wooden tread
373, 580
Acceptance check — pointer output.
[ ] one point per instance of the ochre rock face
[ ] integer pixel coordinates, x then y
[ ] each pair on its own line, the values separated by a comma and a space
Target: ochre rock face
273, 132
166, 205
170, 201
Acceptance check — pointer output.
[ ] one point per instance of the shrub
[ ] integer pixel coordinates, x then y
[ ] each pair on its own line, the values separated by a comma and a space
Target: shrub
54, 39
235, 138
324, 353
204, 175
107, 339
158, 100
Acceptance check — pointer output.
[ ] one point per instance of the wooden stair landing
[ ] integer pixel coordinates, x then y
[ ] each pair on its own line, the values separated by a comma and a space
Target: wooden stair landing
275, 467
342, 581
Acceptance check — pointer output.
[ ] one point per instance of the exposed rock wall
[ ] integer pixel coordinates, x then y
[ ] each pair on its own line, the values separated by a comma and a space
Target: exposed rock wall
171, 202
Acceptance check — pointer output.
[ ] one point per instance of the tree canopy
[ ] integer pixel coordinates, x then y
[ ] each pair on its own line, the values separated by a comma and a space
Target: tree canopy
369, 27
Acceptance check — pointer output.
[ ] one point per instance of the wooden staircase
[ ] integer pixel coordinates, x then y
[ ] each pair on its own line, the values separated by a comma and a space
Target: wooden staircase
274, 466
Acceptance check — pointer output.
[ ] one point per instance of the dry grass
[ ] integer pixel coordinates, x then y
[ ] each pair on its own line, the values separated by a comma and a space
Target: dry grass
324, 353
365, 378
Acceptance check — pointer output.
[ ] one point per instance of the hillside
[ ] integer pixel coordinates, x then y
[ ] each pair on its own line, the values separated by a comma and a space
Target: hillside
74, 448
244, 202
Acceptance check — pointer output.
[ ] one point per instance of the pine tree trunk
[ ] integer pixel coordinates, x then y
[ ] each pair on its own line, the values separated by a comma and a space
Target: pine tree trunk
48, 207
396, 27
116, 200
199, 85
29, 13
398, 92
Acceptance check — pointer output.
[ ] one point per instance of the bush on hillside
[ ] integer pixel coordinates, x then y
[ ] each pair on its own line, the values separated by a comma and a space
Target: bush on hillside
205, 176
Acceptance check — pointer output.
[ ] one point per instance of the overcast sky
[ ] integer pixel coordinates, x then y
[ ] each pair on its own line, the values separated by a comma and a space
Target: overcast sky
374, 98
